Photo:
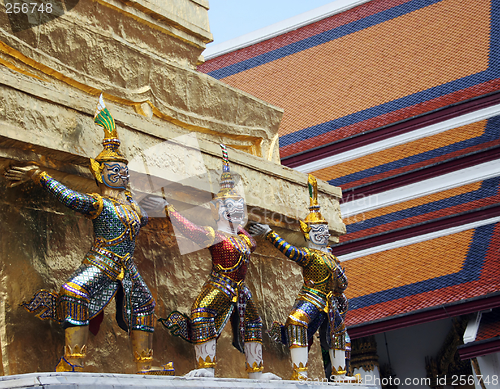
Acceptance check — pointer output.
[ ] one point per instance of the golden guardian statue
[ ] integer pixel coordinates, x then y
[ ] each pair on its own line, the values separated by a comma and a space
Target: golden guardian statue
224, 296
321, 303
108, 269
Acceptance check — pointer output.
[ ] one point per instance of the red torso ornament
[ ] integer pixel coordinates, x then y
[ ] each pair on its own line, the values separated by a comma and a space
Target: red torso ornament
230, 253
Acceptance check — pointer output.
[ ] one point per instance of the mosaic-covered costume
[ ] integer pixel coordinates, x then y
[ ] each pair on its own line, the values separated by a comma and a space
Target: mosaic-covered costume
321, 303
224, 295
108, 269
321, 298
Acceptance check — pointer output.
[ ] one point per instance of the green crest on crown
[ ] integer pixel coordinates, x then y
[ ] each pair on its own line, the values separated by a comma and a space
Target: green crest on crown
103, 118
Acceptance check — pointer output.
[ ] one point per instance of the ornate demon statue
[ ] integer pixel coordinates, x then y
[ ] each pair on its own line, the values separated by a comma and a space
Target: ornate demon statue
321, 303
108, 269
224, 296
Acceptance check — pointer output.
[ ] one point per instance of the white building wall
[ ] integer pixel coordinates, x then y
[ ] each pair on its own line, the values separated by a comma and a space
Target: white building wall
407, 348
490, 370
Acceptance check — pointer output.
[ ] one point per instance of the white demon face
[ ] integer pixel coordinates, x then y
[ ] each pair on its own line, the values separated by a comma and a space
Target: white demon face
231, 210
115, 175
319, 234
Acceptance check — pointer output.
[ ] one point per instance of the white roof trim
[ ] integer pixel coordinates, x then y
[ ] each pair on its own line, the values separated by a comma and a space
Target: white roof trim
411, 136
422, 188
472, 328
280, 28
417, 239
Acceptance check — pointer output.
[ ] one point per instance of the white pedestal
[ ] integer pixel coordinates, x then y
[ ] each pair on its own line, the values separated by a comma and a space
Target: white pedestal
129, 381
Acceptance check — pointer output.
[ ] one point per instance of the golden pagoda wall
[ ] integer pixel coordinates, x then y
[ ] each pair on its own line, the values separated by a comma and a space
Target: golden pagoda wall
142, 57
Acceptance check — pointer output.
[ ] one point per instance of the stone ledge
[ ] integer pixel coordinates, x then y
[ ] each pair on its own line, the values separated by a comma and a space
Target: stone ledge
118, 381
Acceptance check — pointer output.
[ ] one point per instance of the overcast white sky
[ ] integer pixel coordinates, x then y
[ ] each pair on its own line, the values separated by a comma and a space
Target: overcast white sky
232, 18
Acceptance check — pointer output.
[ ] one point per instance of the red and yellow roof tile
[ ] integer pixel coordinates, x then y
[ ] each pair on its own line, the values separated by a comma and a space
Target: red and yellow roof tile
373, 65
423, 275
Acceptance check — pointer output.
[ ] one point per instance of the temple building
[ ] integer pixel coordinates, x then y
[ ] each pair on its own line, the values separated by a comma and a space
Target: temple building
170, 118
397, 103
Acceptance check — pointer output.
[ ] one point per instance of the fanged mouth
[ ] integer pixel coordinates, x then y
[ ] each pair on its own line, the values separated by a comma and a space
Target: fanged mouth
234, 216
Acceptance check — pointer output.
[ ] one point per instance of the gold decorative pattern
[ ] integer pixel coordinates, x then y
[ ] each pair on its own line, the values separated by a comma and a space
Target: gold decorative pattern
143, 356
254, 368
298, 370
246, 239
211, 236
207, 363
65, 366
339, 370
37, 176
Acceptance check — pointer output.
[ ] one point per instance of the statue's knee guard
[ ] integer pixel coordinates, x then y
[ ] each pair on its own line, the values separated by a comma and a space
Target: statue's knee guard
297, 335
296, 328
143, 318
202, 325
253, 330
72, 305
339, 337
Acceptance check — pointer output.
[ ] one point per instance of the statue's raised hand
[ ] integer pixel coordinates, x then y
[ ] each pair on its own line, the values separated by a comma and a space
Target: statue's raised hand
18, 175
152, 203
258, 229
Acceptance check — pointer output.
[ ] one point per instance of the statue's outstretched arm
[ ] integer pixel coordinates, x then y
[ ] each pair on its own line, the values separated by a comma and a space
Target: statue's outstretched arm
296, 254
89, 205
203, 236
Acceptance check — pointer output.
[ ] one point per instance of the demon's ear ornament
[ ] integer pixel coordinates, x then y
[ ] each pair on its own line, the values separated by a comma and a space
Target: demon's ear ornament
96, 170
305, 229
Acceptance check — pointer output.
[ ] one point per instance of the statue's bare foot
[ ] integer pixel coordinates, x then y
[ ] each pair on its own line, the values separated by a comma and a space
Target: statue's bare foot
205, 373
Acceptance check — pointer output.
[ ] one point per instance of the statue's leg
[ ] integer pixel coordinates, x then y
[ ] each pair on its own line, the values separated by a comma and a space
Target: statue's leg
337, 358
74, 349
142, 347
299, 357
340, 359
253, 341
297, 340
205, 359
73, 313
208, 317
304, 316
253, 355
142, 327
338, 333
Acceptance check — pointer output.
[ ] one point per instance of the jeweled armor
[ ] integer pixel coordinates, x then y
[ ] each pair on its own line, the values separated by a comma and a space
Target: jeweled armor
224, 295
321, 303
108, 269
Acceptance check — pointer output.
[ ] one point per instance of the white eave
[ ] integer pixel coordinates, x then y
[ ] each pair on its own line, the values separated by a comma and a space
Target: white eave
280, 28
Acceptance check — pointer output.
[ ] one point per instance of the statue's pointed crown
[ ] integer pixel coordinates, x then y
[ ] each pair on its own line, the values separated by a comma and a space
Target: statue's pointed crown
314, 216
111, 143
226, 179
